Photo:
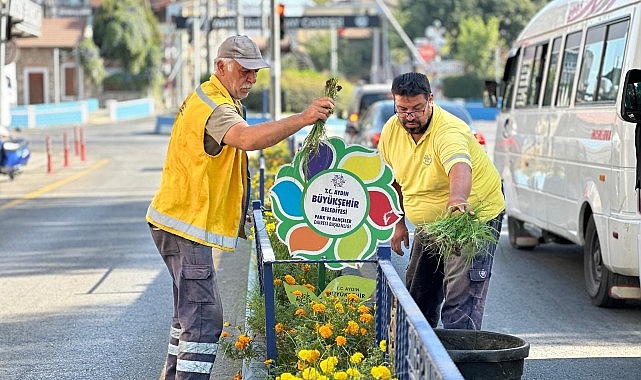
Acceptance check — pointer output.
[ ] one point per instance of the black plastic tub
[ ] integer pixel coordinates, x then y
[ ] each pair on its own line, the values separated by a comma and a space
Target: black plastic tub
482, 355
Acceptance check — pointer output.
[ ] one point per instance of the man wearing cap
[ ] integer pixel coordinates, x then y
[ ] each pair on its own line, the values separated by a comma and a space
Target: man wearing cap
203, 197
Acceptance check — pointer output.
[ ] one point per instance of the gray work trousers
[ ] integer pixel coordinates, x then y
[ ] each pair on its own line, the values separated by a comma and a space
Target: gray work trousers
452, 291
198, 314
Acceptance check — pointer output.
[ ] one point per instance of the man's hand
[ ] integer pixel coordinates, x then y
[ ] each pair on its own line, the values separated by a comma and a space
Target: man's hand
401, 235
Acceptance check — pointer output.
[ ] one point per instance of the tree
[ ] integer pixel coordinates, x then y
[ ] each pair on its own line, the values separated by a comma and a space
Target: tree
126, 32
477, 42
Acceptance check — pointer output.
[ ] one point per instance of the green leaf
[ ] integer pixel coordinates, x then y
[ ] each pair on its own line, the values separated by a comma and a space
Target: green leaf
344, 285
306, 297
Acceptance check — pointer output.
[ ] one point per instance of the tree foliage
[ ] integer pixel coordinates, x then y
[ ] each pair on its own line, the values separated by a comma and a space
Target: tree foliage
126, 32
477, 42
512, 15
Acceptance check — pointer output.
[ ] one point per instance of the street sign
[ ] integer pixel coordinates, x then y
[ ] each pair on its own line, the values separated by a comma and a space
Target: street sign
304, 22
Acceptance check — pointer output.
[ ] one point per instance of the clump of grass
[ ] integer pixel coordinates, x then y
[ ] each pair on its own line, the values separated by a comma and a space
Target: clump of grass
457, 234
312, 141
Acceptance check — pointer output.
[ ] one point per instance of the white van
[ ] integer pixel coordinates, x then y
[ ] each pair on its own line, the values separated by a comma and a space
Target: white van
565, 146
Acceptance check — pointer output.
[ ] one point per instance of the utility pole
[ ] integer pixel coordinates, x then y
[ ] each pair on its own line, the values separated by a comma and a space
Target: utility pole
274, 96
4, 105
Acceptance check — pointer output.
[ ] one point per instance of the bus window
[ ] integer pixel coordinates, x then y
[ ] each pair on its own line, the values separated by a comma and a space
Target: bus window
531, 75
631, 104
568, 68
602, 62
552, 71
509, 76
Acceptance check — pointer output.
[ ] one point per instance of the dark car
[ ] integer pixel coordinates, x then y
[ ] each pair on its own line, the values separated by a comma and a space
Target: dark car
378, 113
364, 96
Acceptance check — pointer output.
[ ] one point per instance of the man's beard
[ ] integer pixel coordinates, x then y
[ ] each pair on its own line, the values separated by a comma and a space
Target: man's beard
417, 130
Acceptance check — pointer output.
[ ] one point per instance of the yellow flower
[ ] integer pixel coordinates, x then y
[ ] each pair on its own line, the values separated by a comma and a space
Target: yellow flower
297, 293
356, 358
366, 318
310, 287
363, 331
363, 309
341, 340
224, 334
242, 341
309, 356
351, 297
226, 324
339, 308
279, 328
268, 361
287, 376
353, 372
300, 312
325, 330
318, 307
352, 328
307, 268
277, 282
381, 372
328, 365
290, 280
383, 345
310, 373
340, 375
270, 227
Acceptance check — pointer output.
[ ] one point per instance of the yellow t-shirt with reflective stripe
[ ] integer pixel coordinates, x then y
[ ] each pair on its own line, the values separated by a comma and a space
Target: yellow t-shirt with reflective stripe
421, 169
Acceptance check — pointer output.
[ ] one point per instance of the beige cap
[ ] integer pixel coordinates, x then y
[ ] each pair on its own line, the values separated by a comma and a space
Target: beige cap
244, 51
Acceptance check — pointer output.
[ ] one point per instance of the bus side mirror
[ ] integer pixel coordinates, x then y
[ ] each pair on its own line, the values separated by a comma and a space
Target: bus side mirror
490, 95
631, 97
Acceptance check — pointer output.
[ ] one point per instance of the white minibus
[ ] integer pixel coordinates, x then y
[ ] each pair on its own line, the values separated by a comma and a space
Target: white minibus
565, 141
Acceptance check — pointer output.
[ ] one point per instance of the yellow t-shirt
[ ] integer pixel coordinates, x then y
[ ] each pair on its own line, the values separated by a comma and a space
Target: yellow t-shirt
421, 169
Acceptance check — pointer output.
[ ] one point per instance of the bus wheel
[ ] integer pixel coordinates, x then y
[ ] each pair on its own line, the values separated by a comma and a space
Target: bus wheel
519, 237
598, 278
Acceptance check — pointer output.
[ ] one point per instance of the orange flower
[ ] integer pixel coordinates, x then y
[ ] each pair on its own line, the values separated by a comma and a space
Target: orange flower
339, 308
366, 318
290, 280
300, 312
341, 340
352, 328
326, 330
297, 293
351, 297
318, 307
242, 342
310, 287
363, 309
224, 334
277, 282
279, 328
238, 376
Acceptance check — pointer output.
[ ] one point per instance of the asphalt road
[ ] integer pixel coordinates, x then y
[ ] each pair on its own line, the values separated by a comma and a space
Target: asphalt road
85, 294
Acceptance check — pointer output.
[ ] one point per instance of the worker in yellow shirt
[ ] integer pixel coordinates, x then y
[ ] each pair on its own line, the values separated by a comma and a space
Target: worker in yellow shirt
440, 167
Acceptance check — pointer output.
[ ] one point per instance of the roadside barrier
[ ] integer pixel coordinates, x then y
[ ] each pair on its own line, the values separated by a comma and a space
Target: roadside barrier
417, 351
79, 145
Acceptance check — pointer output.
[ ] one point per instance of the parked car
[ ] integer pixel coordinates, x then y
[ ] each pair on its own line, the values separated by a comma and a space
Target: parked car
378, 113
364, 96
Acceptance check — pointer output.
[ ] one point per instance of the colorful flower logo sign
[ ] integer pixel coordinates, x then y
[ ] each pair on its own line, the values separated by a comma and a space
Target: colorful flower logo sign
340, 208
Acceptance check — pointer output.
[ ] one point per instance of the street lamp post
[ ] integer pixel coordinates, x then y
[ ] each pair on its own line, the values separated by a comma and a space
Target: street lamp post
4, 105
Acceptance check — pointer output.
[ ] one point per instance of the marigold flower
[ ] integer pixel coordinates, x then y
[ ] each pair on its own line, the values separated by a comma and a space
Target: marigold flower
318, 307
270, 227
339, 308
325, 330
310, 373
300, 312
363, 331
356, 358
238, 376
290, 279
277, 282
242, 341
381, 372
362, 309
224, 334
353, 372
268, 361
307, 268
300, 365
328, 365
310, 287
351, 297
226, 324
327, 292
383, 345
279, 328
309, 355
341, 341
297, 293
341, 375
366, 318
352, 328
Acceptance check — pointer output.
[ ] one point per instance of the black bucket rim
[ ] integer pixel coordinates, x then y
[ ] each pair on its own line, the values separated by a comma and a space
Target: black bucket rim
520, 350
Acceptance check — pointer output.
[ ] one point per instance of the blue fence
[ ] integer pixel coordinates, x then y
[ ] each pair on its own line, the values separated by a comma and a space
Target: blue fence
45, 115
416, 350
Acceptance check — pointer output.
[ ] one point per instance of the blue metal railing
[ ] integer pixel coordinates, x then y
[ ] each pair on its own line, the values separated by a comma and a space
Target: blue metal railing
416, 351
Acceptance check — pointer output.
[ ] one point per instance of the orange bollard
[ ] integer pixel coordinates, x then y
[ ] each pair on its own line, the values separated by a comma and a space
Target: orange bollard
83, 148
65, 143
49, 155
76, 140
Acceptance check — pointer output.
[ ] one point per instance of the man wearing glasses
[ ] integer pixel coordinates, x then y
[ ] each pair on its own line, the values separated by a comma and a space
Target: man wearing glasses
439, 167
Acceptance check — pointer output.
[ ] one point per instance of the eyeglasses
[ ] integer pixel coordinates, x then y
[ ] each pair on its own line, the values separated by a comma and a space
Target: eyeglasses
407, 114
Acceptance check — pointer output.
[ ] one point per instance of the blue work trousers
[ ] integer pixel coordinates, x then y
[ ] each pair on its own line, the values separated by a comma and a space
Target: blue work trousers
198, 314
451, 290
